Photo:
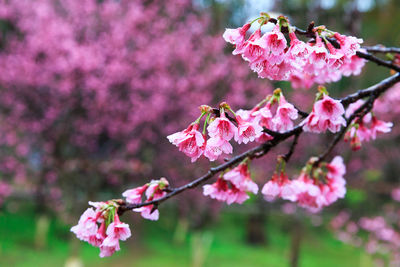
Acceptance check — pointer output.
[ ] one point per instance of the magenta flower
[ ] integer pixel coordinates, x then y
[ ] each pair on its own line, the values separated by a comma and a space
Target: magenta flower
215, 147
118, 229
247, 131
378, 126
285, 113
236, 36
327, 114
218, 190
319, 54
274, 41
87, 226
190, 141
279, 186
253, 51
308, 195
222, 128
241, 179
134, 196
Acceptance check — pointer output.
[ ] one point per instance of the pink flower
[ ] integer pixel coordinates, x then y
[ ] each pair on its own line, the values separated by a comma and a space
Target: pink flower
222, 128
240, 178
308, 194
148, 213
349, 45
264, 117
284, 115
134, 196
379, 126
298, 50
217, 190
247, 131
97, 240
279, 186
215, 147
109, 246
236, 36
327, 114
154, 191
336, 57
318, 54
118, 229
274, 41
87, 225
253, 50
220, 191
190, 141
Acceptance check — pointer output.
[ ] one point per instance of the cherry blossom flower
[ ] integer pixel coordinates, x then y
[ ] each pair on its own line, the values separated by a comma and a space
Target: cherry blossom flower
279, 186
327, 114
240, 178
215, 147
378, 126
285, 113
134, 196
87, 226
236, 36
247, 131
190, 141
222, 128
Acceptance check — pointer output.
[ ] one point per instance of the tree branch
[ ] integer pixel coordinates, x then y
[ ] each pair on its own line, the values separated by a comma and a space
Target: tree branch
373, 92
382, 49
378, 61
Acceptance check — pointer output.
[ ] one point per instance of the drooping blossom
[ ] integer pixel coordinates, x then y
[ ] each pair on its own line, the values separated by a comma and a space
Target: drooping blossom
87, 226
233, 186
222, 128
215, 147
154, 191
247, 131
301, 63
378, 126
279, 187
285, 114
190, 141
115, 231
327, 114
236, 36
134, 196
240, 178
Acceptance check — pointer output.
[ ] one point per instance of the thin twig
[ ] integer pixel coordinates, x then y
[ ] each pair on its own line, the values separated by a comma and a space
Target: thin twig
378, 61
382, 49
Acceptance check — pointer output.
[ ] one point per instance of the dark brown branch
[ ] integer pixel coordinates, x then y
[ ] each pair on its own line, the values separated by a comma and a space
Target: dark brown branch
378, 61
289, 154
378, 88
382, 49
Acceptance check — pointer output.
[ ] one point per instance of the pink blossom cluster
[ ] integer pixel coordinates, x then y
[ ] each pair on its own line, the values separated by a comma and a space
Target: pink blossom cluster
302, 63
107, 235
152, 191
246, 126
309, 191
232, 186
365, 129
327, 114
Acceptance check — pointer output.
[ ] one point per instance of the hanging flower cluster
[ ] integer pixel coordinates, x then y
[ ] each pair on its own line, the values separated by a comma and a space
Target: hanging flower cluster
151, 191
327, 114
315, 188
245, 126
302, 63
111, 229
365, 129
232, 186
